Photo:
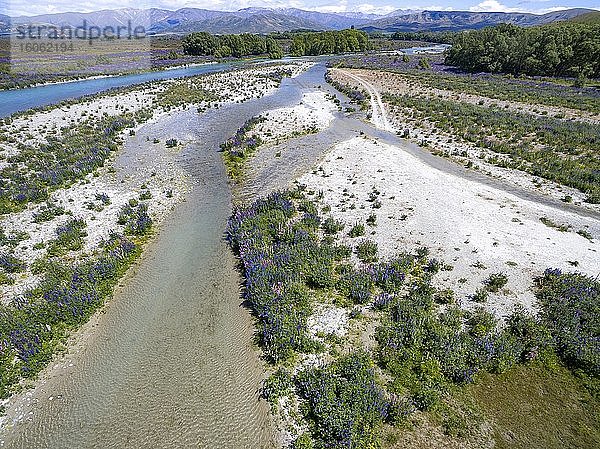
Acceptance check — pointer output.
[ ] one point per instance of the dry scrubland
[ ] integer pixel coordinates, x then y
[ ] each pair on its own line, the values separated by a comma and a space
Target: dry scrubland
475, 229
84, 185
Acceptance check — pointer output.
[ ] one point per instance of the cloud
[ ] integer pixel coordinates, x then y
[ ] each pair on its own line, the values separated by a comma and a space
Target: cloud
341, 6
492, 6
367, 8
496, 6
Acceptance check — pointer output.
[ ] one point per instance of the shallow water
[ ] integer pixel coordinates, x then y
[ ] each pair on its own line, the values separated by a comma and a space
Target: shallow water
170, 363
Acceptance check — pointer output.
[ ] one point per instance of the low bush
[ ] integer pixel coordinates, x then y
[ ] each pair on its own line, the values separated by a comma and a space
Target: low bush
135, 218
332, 226
11, 264
345, 403
366, 251
570, 310
47, 212
69, 237
357, 230
495, 282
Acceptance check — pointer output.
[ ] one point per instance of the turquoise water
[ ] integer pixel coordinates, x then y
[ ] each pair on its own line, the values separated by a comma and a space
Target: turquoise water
12, 101
18, 100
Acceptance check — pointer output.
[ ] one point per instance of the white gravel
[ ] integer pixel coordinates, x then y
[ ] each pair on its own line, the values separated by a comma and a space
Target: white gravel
463, 222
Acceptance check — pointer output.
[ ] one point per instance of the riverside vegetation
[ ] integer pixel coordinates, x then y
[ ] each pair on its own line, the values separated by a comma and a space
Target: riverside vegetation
531, 125
302, 44
427, 349
55, 280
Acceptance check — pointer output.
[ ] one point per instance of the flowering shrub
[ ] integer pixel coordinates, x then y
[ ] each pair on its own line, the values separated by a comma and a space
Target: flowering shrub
80, 150
47, 213
278, 384
332, 226
239, 147
357, 285
366, 251
13, 239
69, 237
11, 264
427, 351
34, 325
277, 256
135, 218
570, 309
345, 402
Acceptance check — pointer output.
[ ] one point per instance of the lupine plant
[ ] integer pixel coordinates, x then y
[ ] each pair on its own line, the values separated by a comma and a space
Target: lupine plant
426, 344
11, 264
355, 95
80, 150
276, 256
427, 351
345, 402
47, 212
570, 309
134, 216
239, 147
34, 325
69, 237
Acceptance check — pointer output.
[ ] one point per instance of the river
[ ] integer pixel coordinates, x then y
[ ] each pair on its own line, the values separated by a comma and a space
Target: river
16, 100
170, 362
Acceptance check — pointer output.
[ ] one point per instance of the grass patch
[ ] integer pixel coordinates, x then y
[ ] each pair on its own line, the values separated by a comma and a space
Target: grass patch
534, 406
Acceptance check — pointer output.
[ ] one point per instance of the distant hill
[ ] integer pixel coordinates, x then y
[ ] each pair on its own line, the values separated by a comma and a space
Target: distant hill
460, 20
266, 20
590, 18
332, 21
4, 23
250, 23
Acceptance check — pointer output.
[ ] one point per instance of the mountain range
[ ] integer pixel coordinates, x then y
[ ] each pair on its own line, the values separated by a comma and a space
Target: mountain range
265, 20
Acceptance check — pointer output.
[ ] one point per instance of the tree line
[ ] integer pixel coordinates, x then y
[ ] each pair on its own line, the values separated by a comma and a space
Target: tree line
236, 45
303, 43
566, 49
329, 42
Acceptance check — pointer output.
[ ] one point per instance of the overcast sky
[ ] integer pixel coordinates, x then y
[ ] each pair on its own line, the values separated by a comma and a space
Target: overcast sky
34, 7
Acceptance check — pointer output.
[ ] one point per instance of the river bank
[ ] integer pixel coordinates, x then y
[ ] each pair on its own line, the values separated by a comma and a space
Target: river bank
366, 190
152, 343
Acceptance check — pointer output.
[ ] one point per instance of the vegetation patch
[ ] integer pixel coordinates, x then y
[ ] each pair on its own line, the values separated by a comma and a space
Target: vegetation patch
240, 147
550, 148
37, 323
428, 349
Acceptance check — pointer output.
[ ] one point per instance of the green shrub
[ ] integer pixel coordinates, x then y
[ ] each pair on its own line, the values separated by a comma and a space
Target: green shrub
495, 282
366, 251
357, 230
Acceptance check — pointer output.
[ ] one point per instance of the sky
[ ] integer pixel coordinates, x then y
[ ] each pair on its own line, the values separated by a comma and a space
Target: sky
34, 7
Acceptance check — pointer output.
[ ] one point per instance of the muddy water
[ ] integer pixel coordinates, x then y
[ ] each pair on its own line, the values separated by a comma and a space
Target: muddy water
170, 363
